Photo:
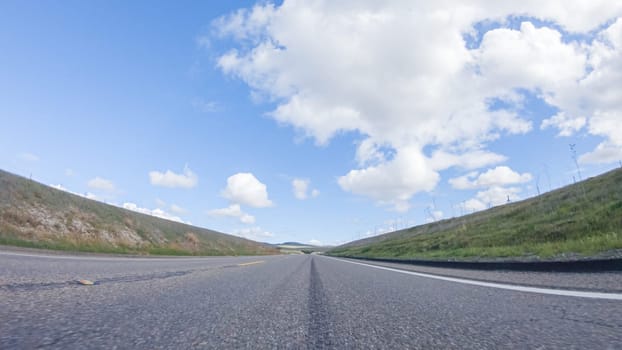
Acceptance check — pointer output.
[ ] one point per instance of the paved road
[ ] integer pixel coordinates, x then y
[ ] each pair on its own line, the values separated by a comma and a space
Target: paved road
272, 302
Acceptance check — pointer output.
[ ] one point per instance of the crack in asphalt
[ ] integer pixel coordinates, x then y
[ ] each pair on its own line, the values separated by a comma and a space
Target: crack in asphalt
30, 286
566, 315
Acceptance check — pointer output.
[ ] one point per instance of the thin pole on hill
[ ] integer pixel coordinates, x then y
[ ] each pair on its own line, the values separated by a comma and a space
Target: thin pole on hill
546, 173
573, 152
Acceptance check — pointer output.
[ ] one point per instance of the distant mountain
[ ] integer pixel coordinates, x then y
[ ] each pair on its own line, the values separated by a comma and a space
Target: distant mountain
35, 215
295, 244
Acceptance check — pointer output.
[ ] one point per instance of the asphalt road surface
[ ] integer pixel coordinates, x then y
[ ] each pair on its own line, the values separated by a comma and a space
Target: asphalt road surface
281, 302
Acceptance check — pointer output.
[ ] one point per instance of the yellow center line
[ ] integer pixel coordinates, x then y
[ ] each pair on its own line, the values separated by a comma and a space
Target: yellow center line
251, 263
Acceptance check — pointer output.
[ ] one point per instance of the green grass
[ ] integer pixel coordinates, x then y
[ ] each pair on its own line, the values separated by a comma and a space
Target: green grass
583, 219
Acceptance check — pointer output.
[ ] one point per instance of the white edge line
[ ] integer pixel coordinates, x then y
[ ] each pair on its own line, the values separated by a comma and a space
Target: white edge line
562, 292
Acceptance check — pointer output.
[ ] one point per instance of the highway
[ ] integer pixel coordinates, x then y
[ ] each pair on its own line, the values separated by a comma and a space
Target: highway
289, 302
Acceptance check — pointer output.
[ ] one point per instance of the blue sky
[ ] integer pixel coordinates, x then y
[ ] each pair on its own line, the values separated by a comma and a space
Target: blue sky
208, 112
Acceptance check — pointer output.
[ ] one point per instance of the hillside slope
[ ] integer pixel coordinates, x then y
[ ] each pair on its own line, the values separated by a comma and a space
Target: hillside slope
35, 215
584, 219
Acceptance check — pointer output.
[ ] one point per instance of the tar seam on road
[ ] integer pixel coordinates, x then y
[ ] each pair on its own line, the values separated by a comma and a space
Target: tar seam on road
560, 292
319, 335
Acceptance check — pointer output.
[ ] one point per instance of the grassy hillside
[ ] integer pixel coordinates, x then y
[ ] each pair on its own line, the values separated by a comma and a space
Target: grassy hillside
35, 215
581, 219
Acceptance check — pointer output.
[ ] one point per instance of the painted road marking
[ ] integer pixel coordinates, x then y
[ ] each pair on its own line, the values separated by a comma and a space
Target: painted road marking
251, 263
514, 287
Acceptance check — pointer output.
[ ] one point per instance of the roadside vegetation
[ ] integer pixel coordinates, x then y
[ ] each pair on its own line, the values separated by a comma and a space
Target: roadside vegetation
39, 216
580, 220
300, 248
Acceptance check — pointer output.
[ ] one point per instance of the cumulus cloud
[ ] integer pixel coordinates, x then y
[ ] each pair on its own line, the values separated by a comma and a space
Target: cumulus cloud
244, 188
254, 233
405, 77
177, 209
299, 187
301, 191
434, 215
60, 187
153, 212
87, 195
604, 153
187, 179
101, 184
205, 106
395, 181
593, 102
566, 126
490, 197
315, 242
499, 176
493, 183
235, 211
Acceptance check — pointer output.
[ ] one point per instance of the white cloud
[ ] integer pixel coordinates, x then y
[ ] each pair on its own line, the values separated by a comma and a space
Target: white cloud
153, 212
594, 100
401, 76
87, 195
254, 233
203, 42
434, 215
493, 196
474, 204
315, 242
235, 211
470, 160
244, 188
604, 153
300, 187
187, 179
529, 58
29, 157
205, 106
60, 187
393, 182
499, 176
567, 126
160, 203
177, 209
102, 184
90, 195
301, 190
494, 181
